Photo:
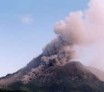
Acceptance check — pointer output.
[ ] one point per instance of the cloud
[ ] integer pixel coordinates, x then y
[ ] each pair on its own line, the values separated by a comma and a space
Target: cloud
27, 19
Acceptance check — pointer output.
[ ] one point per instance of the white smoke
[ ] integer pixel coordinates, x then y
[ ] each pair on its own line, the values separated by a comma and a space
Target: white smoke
83, 33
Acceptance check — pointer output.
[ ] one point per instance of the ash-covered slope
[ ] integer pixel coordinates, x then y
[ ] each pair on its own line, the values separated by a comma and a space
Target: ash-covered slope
70, 77
17, 76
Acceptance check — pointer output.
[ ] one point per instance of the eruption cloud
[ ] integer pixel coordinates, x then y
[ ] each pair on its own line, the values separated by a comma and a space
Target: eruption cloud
80, 36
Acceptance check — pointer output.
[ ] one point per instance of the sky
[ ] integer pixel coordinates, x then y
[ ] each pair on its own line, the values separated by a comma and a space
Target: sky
26, 26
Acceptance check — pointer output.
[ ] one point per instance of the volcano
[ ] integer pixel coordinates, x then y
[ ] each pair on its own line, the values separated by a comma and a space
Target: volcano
70, 77
57, 68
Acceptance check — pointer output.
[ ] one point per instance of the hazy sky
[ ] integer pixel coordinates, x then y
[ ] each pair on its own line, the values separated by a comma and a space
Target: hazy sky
26, 26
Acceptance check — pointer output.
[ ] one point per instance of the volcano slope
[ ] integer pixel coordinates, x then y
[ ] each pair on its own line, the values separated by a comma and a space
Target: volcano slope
70, 77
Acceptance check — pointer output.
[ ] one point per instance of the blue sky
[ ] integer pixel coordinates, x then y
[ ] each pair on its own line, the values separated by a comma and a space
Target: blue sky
26, 26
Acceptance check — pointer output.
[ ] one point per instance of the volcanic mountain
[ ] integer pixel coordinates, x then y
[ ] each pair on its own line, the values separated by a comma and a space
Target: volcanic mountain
50, 77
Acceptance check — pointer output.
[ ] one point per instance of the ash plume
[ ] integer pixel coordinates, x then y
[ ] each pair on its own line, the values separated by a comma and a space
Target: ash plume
78, 33
80, 36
